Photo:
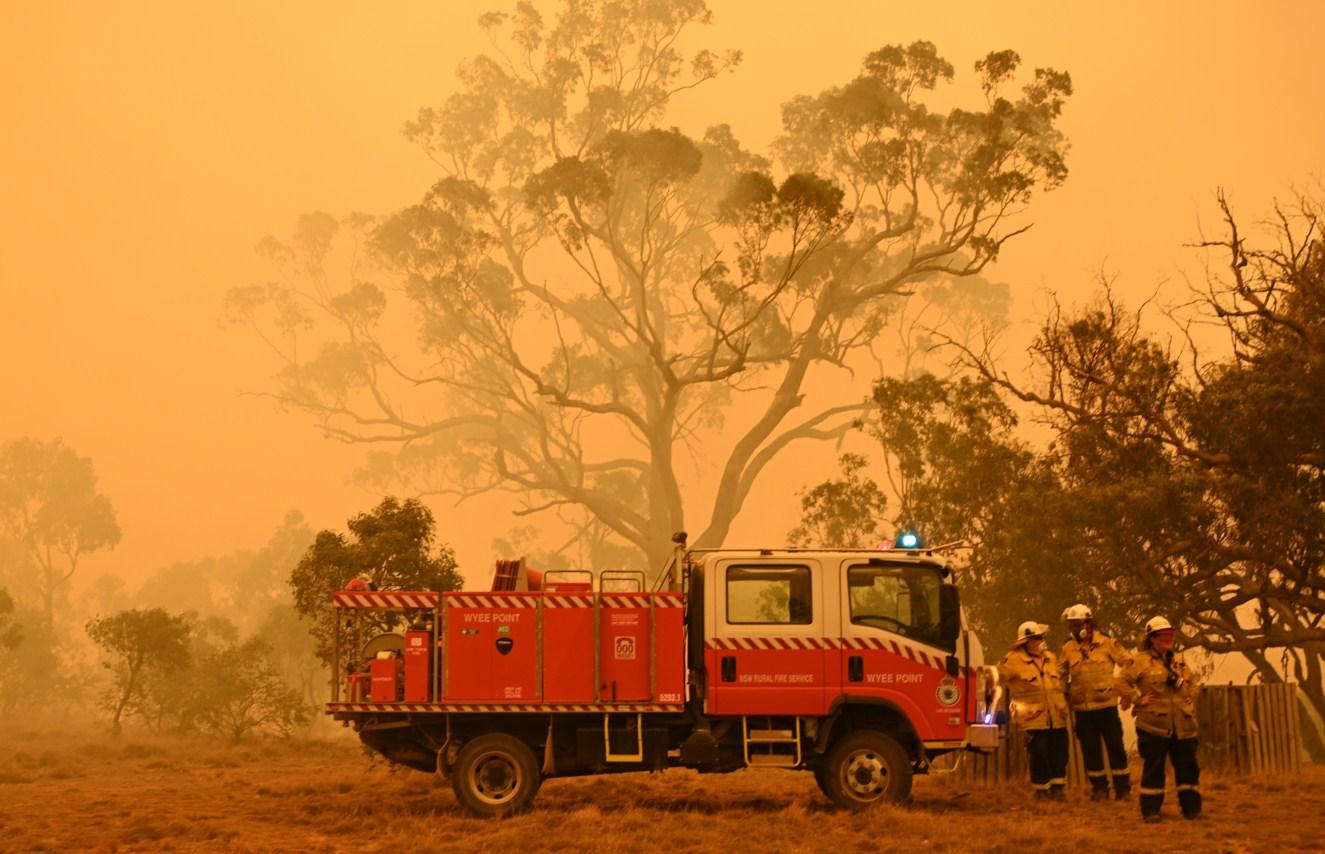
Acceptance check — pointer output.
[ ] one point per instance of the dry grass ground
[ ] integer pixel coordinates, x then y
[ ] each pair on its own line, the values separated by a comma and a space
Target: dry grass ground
63, 793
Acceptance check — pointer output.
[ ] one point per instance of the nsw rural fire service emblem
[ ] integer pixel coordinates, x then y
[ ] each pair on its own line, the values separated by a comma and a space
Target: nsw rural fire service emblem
949, 694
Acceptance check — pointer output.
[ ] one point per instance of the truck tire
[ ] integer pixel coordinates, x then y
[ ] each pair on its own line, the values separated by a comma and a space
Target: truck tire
495, 775
866, 768
819, 779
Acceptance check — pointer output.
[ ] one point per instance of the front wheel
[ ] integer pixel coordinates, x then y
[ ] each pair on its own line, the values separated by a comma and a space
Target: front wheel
819, 778
866, 768
495, 775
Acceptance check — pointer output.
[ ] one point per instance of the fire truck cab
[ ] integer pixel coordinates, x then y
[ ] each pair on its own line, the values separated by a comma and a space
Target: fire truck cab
855, 665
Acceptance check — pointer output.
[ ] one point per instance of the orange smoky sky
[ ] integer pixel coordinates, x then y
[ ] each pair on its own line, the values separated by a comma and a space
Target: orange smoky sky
145, 147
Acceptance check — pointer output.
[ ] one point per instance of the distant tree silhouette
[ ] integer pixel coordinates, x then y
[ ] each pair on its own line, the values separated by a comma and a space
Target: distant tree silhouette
49, 503
137, 641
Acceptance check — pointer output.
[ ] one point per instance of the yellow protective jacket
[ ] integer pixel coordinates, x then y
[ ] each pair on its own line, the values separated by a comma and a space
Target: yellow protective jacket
1090, 672
1035, 689
1172, 709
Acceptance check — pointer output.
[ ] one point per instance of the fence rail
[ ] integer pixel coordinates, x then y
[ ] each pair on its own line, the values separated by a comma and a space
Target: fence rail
1250, 729
1245, 729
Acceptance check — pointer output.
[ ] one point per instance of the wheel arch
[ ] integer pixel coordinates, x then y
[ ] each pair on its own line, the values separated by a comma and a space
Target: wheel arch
849, 714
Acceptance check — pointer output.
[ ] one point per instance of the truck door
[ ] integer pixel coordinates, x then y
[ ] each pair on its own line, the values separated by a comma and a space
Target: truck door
898, 631
766, 650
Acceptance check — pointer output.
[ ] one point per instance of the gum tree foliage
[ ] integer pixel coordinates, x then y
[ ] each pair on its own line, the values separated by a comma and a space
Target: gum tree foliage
49, 504
590, 291
168, 700
1210, 462
1184, 480
239, 691
843, 513
221, 686
392, 547
957, 471
138, 642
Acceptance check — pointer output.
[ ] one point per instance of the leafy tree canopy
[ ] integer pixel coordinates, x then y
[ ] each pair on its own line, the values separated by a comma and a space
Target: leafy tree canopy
49, 503
137, 641
592, 290
1185, 481
392, 547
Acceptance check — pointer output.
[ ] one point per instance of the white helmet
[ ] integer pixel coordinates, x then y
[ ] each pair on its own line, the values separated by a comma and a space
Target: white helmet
1078, 612
1030, 629
1157, 624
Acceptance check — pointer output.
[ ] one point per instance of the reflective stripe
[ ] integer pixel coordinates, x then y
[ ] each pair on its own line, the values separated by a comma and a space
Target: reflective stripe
1096, 774
1122, 773
1146, 791
1058, 781
1040, 786
1189, 788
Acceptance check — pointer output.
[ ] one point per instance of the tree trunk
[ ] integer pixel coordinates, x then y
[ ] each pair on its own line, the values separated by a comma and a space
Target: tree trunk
1311, 694
124, 698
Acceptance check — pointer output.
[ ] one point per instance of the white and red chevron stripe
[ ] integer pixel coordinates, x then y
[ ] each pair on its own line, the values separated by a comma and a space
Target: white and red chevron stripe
898, 648
384, 599
491, 600
622, 600
771, 643
426, 599
557, 600
505, 707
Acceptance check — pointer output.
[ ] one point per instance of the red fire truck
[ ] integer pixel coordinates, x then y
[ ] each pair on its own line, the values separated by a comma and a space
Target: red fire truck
855, 665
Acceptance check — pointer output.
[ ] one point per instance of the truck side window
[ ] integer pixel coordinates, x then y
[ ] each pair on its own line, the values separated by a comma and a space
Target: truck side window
769, 595
899, 599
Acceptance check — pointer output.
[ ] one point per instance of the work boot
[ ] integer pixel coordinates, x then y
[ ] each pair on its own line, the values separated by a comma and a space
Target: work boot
1041, 794
1189, 801
1122, 793
1056, 793
1099, 794
1153, 818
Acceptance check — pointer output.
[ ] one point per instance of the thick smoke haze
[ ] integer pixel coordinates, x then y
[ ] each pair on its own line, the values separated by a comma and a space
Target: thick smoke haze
145, 148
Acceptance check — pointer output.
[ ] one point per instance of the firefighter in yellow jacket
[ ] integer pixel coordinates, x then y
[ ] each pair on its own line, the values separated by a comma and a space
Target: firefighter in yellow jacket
1091, 662
1039, 709
1163, 691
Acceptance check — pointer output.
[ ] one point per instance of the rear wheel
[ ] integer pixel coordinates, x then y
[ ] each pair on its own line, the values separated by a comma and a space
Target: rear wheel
864, 769
496, 775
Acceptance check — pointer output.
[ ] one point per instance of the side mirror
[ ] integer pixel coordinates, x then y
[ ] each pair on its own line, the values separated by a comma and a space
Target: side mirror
950, 616
953, 666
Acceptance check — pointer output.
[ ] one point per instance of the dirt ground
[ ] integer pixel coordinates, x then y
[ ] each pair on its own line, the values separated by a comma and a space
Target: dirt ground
80, 792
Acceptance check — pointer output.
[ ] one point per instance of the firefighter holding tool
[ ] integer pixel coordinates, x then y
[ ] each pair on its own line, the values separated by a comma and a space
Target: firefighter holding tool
1163, 691
1033, 679
1090, 664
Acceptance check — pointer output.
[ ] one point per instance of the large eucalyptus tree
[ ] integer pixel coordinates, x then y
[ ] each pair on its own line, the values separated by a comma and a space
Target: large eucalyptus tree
586, 292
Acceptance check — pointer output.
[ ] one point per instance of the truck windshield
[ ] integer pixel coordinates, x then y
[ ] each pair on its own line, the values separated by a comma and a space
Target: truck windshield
898, 598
